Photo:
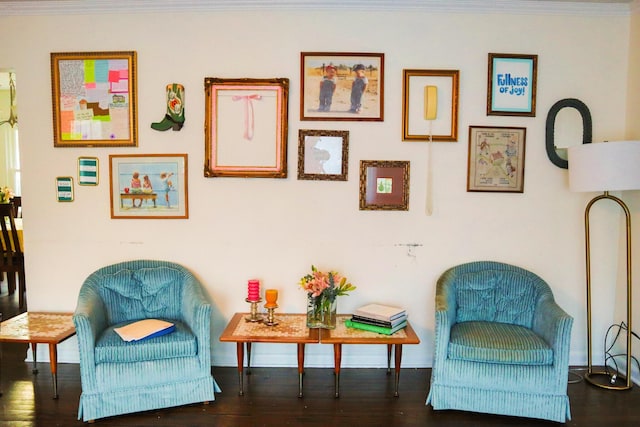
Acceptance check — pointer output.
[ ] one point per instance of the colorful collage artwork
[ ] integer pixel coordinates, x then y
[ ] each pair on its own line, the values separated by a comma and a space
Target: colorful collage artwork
94, 99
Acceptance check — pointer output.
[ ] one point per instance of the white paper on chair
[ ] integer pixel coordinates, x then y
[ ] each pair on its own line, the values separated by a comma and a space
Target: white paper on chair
142, 329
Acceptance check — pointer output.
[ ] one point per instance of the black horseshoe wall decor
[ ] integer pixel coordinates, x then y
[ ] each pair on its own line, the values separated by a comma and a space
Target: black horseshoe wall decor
551, 122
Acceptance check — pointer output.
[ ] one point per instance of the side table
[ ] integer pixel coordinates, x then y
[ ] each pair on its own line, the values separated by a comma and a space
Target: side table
291, 328
40, 327
343, 335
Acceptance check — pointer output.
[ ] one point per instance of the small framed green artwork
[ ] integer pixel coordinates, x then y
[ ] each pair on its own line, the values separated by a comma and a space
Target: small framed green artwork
384, 185
64, 188
88, 171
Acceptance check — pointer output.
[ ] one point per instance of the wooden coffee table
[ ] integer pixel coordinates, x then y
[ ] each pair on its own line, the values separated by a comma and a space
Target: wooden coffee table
343, 335
40, 327
291, 328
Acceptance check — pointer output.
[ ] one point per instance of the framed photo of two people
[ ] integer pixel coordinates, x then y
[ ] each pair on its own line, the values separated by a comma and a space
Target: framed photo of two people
342, 86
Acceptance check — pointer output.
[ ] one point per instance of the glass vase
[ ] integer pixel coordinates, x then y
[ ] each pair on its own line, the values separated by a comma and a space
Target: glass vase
321, 312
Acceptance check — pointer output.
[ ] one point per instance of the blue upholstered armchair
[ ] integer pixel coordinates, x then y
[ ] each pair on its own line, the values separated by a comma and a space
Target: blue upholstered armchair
120, 377
501, 343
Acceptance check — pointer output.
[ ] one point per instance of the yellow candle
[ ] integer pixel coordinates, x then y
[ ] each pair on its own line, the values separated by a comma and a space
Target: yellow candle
271, 295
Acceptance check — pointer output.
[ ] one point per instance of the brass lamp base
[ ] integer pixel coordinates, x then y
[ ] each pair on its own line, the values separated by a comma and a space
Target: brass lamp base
605, 380
601, 378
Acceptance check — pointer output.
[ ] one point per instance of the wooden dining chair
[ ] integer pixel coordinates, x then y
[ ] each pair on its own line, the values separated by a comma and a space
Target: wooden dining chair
12, 257
16, 201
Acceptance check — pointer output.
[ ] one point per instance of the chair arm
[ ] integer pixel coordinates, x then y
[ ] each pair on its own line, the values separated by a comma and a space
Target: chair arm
445, 319
89, 319
196, 312
553, 324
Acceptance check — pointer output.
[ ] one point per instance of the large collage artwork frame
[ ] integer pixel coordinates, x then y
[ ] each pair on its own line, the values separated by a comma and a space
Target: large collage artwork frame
94, 96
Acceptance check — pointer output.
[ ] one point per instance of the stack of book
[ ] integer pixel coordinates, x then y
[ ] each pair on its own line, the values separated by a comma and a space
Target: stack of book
380, 318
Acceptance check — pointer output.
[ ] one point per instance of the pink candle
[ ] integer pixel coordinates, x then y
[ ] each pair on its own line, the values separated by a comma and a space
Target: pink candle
253, 290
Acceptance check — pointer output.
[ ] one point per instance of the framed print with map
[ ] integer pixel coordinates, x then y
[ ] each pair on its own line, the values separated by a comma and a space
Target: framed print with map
384, 185
94, 99
496, 159
323, 154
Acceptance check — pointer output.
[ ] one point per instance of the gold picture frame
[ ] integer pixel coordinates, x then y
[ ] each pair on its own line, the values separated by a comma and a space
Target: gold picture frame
422, 121
323, 154
384, 185
94, 96
246, 127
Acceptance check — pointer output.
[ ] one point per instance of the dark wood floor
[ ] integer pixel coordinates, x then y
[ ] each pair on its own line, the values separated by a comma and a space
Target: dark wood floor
271, 399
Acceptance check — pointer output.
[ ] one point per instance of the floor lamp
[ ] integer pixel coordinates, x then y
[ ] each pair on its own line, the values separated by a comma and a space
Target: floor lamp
610, 166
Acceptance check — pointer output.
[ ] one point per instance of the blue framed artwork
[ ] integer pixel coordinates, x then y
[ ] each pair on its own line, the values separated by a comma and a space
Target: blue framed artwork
511, 88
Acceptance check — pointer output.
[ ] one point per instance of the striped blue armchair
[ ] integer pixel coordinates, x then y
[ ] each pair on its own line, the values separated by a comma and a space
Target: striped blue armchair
121, 377
501, 343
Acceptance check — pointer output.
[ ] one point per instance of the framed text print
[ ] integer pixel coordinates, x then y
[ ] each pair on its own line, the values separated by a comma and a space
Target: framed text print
94, 99
511, 88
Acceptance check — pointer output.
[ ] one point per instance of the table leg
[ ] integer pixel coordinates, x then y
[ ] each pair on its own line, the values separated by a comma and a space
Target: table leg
240, 352
34, 347
398, 363
389, 349
53, 363
337, 359
248, 357
300, 367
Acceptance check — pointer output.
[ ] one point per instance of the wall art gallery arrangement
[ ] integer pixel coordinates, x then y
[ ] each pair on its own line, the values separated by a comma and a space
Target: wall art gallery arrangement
246, 127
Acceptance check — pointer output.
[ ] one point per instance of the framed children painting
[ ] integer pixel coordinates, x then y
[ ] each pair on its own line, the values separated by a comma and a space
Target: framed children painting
94, 99
149, 186
342, 86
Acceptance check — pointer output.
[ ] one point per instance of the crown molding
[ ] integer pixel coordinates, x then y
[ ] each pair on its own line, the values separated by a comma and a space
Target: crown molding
529, 7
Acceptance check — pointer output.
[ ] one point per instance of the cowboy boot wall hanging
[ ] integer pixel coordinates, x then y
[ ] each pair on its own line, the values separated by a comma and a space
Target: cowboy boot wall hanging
175, 109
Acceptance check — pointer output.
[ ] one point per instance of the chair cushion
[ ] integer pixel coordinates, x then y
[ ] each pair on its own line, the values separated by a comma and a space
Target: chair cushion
498, 343
110, 348
496, 296
138, 294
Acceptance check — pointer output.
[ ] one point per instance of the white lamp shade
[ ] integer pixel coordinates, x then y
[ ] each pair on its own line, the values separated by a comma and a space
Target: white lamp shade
605, 166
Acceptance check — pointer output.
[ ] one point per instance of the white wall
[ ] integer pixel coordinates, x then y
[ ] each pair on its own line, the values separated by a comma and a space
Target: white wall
274, 229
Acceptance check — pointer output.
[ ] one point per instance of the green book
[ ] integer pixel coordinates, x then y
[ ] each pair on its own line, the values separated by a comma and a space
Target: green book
373, 328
